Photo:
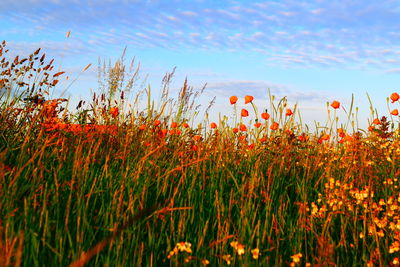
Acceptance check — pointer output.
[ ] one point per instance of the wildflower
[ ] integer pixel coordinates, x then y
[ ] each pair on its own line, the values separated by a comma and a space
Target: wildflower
256, 253
242, 138
213, 125
243, 127
244, 113
376, 121
185, 125
157, 122
370, 128
274, 126
175, 131
114, 112
174, 125
235, 130
394, 97
325, 137
396, 261
302, 137
180, 247
197, 138
263, 139
205, 262
195, 148
233, 99
394, 112
257, 124
163, 133
341, 132
184, 246
289, 112
296, 257
142, 127
227, 258
265, 116
335, 104
248, 99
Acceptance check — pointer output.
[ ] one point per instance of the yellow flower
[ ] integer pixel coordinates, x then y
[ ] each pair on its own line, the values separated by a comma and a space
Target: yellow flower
256, 253
227, 258
205, 261
296, 257
238, 247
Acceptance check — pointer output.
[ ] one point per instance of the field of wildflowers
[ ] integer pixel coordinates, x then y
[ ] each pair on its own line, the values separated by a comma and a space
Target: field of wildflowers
108, 184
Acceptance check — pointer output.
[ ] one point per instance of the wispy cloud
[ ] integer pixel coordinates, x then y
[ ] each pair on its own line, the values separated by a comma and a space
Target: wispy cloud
326, 32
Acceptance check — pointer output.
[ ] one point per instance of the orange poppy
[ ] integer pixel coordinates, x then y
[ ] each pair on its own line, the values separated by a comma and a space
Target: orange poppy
244, 113
197, 138
289, 112
257, 124
157, 122
185, 125
394, 97
142, 127
274, 126
174, 125
235, 130
341, 132
265, 116
394, 112
213, 125
335, 104
248, 99
302, 138
114, 112
376, 121
233, 99
163, 132
243, 127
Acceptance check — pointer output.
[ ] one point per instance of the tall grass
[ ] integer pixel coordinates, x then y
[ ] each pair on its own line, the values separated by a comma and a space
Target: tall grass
110, 184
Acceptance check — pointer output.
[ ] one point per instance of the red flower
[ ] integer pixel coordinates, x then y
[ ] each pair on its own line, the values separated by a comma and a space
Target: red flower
142, 127
157, 122
289, 112
213, 125
197, 138
243, 127
257, 125
248, 99
244, 113
394, 97
265, 116
233, 99
274, 126
235, 130
394, 112
341, 132
174, 125
114, 112
376, 121
335, 104
185, 125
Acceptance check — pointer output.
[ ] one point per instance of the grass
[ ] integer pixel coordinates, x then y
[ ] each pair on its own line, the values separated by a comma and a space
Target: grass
112, 184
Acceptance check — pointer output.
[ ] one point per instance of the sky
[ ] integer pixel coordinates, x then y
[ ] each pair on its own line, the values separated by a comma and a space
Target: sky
312, 52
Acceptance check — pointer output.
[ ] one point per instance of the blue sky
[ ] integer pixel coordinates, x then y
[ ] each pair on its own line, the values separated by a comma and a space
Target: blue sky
310, 51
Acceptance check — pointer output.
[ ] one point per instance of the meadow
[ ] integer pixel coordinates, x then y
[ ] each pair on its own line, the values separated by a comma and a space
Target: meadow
108, 183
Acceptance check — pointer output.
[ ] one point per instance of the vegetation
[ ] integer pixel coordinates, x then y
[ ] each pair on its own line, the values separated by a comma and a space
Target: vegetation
111, 184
